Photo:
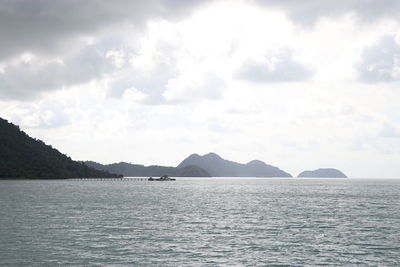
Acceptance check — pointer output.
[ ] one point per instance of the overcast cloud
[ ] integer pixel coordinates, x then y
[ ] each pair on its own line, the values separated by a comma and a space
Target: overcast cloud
298, 84
309, 11
381, 61
30, 76
46, 26
278, 68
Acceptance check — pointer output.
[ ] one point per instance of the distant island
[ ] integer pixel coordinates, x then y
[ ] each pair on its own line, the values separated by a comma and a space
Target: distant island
23, 157
209, 165
323, 173
131, 170
219, 167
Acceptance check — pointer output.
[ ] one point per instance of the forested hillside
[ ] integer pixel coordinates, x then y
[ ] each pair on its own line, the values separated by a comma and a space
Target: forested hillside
128, 169
24, 157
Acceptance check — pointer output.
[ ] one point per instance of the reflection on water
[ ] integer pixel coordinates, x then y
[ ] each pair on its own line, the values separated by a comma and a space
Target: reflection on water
202, 222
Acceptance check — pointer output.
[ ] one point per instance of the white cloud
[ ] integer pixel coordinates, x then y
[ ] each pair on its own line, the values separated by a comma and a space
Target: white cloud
274, 68
133, 94
110, 91
117, 57
389, 131
192, 88
381, 61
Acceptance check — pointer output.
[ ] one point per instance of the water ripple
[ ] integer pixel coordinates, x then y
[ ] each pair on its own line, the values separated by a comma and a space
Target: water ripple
200, 222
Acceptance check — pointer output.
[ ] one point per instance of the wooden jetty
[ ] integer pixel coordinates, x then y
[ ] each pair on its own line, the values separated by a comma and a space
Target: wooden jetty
124, 179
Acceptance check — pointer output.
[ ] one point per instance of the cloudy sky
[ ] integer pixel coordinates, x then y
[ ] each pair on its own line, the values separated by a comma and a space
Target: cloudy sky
297, 84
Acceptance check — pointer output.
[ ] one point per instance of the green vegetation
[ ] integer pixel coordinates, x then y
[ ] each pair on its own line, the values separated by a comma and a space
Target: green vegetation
27, 158
128, 169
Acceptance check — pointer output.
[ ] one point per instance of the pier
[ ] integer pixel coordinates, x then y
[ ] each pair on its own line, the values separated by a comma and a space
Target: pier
124, 179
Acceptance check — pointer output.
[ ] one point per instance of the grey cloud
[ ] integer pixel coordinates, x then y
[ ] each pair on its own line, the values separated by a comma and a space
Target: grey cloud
389, 131
26, 80
45, 26
54, 29
381, 62
153, 84
280, 68
308, 11
39, 115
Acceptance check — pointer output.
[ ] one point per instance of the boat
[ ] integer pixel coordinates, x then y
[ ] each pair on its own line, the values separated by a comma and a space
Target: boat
162, 178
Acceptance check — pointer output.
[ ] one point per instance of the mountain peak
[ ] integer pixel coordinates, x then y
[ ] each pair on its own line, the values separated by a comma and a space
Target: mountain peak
194, 155
212, 155
219, 167
256, 163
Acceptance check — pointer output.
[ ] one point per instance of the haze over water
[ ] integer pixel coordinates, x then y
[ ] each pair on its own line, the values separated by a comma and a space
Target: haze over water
200, 222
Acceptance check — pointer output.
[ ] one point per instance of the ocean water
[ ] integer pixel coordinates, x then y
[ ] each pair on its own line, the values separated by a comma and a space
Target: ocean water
200, 222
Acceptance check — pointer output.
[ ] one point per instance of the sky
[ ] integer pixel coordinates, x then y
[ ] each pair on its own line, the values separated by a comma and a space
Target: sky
298, 84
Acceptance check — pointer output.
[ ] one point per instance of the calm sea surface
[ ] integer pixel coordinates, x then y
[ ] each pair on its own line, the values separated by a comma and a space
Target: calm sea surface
200, 222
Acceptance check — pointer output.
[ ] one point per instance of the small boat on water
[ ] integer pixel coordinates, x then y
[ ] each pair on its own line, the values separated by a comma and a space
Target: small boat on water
162, 178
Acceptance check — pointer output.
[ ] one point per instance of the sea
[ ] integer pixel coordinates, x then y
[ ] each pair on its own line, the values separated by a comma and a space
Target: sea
200, 222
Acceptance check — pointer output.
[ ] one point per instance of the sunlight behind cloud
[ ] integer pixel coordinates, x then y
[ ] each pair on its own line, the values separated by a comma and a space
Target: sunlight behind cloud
223, 76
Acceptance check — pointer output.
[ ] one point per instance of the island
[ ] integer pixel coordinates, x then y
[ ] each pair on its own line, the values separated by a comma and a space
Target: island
137, 170
323, 173
219, 167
